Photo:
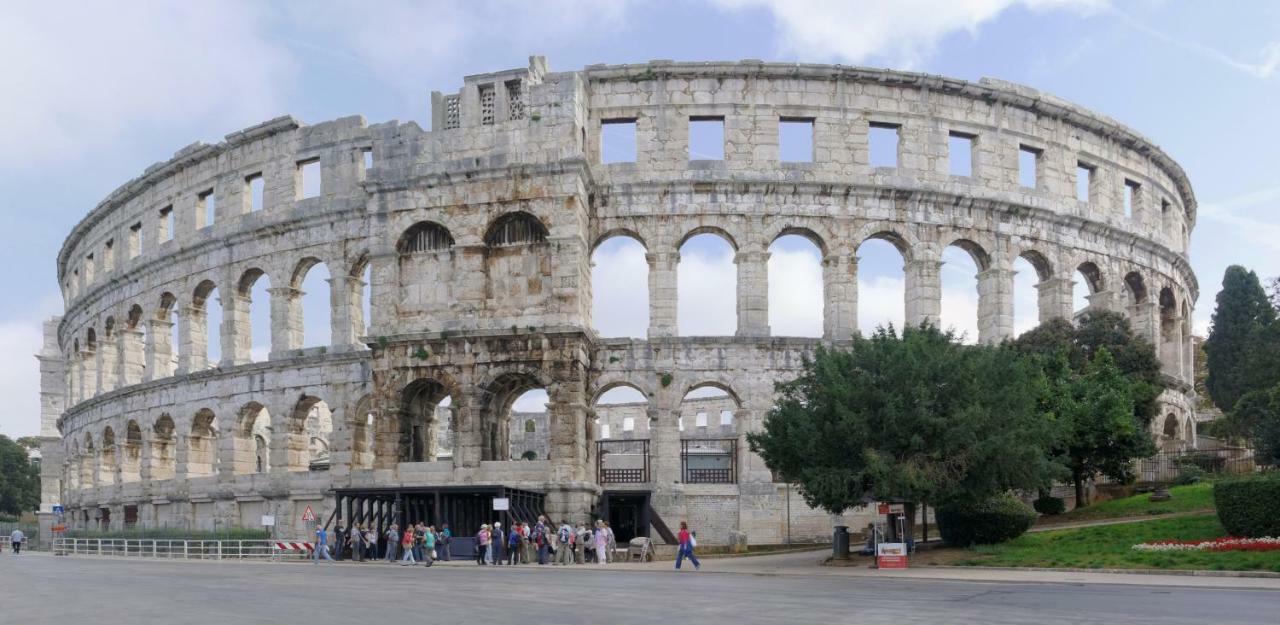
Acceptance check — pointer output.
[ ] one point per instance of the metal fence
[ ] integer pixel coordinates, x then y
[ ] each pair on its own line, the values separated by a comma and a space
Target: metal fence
29, 530
622, 461
1168, 466
709, 460
176, 549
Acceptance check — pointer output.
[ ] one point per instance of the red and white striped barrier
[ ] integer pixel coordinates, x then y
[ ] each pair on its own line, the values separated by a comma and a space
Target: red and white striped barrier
283, 546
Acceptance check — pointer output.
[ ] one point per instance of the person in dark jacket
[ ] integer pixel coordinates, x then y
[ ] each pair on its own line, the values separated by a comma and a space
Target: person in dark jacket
497, 543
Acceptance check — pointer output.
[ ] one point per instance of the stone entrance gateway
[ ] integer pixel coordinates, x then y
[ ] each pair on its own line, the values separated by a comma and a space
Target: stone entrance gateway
458, 269
464, 508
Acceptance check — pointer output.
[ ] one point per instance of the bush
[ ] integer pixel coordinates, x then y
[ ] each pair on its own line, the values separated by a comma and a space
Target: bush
1189, 473
994, 520
1249, 506
1049, 505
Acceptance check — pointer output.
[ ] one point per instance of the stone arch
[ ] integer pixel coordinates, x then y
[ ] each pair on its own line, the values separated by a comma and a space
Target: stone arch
305, 304
418, 419
519, 263
620, 281
251, 440
612, 380
903, 239
1170, 332
362, 424
708, 273
709, 229
163, 448
515, 228
204, 329
1135, 287
611, 233
202, 456
1172, 428
162, 337
107, 462
1038, 261
131, 462
716, 384
1092, 281
612, 417
424, 237
798, 283
498, 394
89, 463
309, 429
976, 251
807, 231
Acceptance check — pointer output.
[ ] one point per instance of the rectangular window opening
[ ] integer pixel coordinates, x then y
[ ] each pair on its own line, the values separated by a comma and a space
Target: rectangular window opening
367, 155
882, 140
628, 424
166, 224
109, 255
1029, 167
960, 153
726, 417
1084, 181
309, 179
795, 139
255, 186
207, 206
618, 140
1132, 194
487, 101
706, 138
702, 420
604, 431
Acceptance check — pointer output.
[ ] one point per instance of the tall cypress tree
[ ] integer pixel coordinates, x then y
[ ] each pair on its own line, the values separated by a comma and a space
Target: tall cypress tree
1242, 311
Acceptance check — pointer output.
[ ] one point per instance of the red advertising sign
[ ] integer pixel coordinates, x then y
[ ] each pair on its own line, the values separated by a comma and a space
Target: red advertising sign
891, 555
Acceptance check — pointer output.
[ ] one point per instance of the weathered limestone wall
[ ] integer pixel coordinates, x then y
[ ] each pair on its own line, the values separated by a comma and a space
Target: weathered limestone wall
477, 238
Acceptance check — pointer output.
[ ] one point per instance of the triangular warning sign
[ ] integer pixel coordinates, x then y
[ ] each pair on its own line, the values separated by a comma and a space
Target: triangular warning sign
308, 514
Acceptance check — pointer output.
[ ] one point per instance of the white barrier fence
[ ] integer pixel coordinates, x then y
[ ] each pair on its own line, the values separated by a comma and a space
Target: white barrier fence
182, 549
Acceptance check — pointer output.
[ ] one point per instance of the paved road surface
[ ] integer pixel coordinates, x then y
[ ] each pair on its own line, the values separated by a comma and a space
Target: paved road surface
39, 589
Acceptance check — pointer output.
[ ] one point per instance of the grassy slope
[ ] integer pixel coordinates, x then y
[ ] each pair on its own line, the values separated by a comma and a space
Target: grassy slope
1110, 546
1194, 497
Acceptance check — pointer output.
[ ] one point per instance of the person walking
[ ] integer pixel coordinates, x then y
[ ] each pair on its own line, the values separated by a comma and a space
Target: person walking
564, 553
447, 535
406, 546
15, 541
322, 546
393, 539
483, 541
418, 530
580, 539
688, 540
357, 542
602, 543
429, 545
497, 543
339, 540
513, 544
611, 549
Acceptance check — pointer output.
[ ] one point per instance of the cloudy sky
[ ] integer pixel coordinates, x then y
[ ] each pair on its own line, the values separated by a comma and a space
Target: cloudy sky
93, 93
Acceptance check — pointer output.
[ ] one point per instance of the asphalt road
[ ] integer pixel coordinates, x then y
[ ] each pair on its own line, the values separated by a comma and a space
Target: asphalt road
36, 589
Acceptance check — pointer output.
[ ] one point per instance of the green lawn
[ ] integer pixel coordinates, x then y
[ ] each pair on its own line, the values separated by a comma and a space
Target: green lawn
1193, 497
1110, 546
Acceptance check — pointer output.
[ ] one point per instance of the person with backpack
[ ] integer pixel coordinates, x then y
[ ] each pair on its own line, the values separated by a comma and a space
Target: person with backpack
581, 541
446, 536
688, 540
497, 543
539, 538
428, 545
418, 531
357, 542
564, 555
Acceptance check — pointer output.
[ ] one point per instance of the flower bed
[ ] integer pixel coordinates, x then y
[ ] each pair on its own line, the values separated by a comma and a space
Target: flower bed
1226, 543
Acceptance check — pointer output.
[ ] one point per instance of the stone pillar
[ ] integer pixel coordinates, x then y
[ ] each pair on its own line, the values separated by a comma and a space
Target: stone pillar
840, 296
1145, 318
89, 375
108, 363
663, 293
286, 320
1055, 299
995, 304
567, 416
236, 331
753, 292
347, 319
923, 292
664, 447
466, 433
132, 356
1103, 300
193, 332
159, 350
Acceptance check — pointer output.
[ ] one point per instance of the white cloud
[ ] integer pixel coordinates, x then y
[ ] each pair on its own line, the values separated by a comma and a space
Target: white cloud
1268, 57
903, 32
795, 293
880, 302
82, 76
707, 288
620, 289
20, 341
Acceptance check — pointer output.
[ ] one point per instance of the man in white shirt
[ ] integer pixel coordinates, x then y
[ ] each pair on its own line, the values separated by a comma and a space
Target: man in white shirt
16, 539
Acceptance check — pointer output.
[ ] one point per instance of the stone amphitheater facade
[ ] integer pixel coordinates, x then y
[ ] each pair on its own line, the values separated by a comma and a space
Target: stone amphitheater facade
479, 236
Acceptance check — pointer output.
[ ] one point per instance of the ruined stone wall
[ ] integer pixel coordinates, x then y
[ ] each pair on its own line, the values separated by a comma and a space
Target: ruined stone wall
477, 237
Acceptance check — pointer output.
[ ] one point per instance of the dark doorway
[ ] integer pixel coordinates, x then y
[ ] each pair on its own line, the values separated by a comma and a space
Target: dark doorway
130, 516
627, 513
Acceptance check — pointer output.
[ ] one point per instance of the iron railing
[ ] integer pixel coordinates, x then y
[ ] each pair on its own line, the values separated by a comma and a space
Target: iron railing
1167, 466
623, 461
176, 549
709, 460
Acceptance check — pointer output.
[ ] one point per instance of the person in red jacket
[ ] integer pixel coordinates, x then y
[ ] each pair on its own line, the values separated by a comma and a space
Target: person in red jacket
685, 550
406, 544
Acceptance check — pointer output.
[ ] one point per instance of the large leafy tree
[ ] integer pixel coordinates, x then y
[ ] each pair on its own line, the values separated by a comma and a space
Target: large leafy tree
19, 479
1242, 313
919, 417
1102, 385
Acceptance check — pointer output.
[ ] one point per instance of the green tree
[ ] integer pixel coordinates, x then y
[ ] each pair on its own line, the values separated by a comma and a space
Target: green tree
19, 479
1257, 416
917, 418
1102, 385
1242, 312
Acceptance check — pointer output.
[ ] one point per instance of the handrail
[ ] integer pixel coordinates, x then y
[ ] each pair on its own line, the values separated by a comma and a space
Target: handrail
158, 548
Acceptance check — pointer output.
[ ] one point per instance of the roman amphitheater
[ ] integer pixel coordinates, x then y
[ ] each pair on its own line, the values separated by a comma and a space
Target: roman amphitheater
474, 242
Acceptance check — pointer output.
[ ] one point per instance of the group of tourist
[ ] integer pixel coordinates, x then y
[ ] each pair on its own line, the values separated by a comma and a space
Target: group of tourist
522, 543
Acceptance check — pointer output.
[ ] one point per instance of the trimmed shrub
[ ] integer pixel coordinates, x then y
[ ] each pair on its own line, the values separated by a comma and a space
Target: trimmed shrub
1249, 507
1189, 473
994, 520
1049, 505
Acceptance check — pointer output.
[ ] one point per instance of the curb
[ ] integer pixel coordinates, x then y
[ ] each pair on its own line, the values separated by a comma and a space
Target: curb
1169, 572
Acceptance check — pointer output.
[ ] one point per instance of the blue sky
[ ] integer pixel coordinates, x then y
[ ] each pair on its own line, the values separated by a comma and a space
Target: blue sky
93, 94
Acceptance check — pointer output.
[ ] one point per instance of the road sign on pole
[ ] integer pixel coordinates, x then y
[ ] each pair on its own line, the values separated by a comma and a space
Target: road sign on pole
308, 514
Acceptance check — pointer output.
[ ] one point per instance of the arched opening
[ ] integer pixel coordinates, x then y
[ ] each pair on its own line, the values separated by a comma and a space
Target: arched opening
1172, 427
89, 463
310, 429
708, 425
202, 445
253, 440
1170, 333
528, 425
362, 425
421, 420
511, 397
707, 286
622, 412
620, 287
1135, 288
424, 237
206, 326
107, 466
165, 340
620, 443
1088, 282
795, 286
312, 279
1030, 284
131, 463
881, 283
163, 449
961, 263
89, 366
133, 348
361, 294
253, 324
519, 263
424, 264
